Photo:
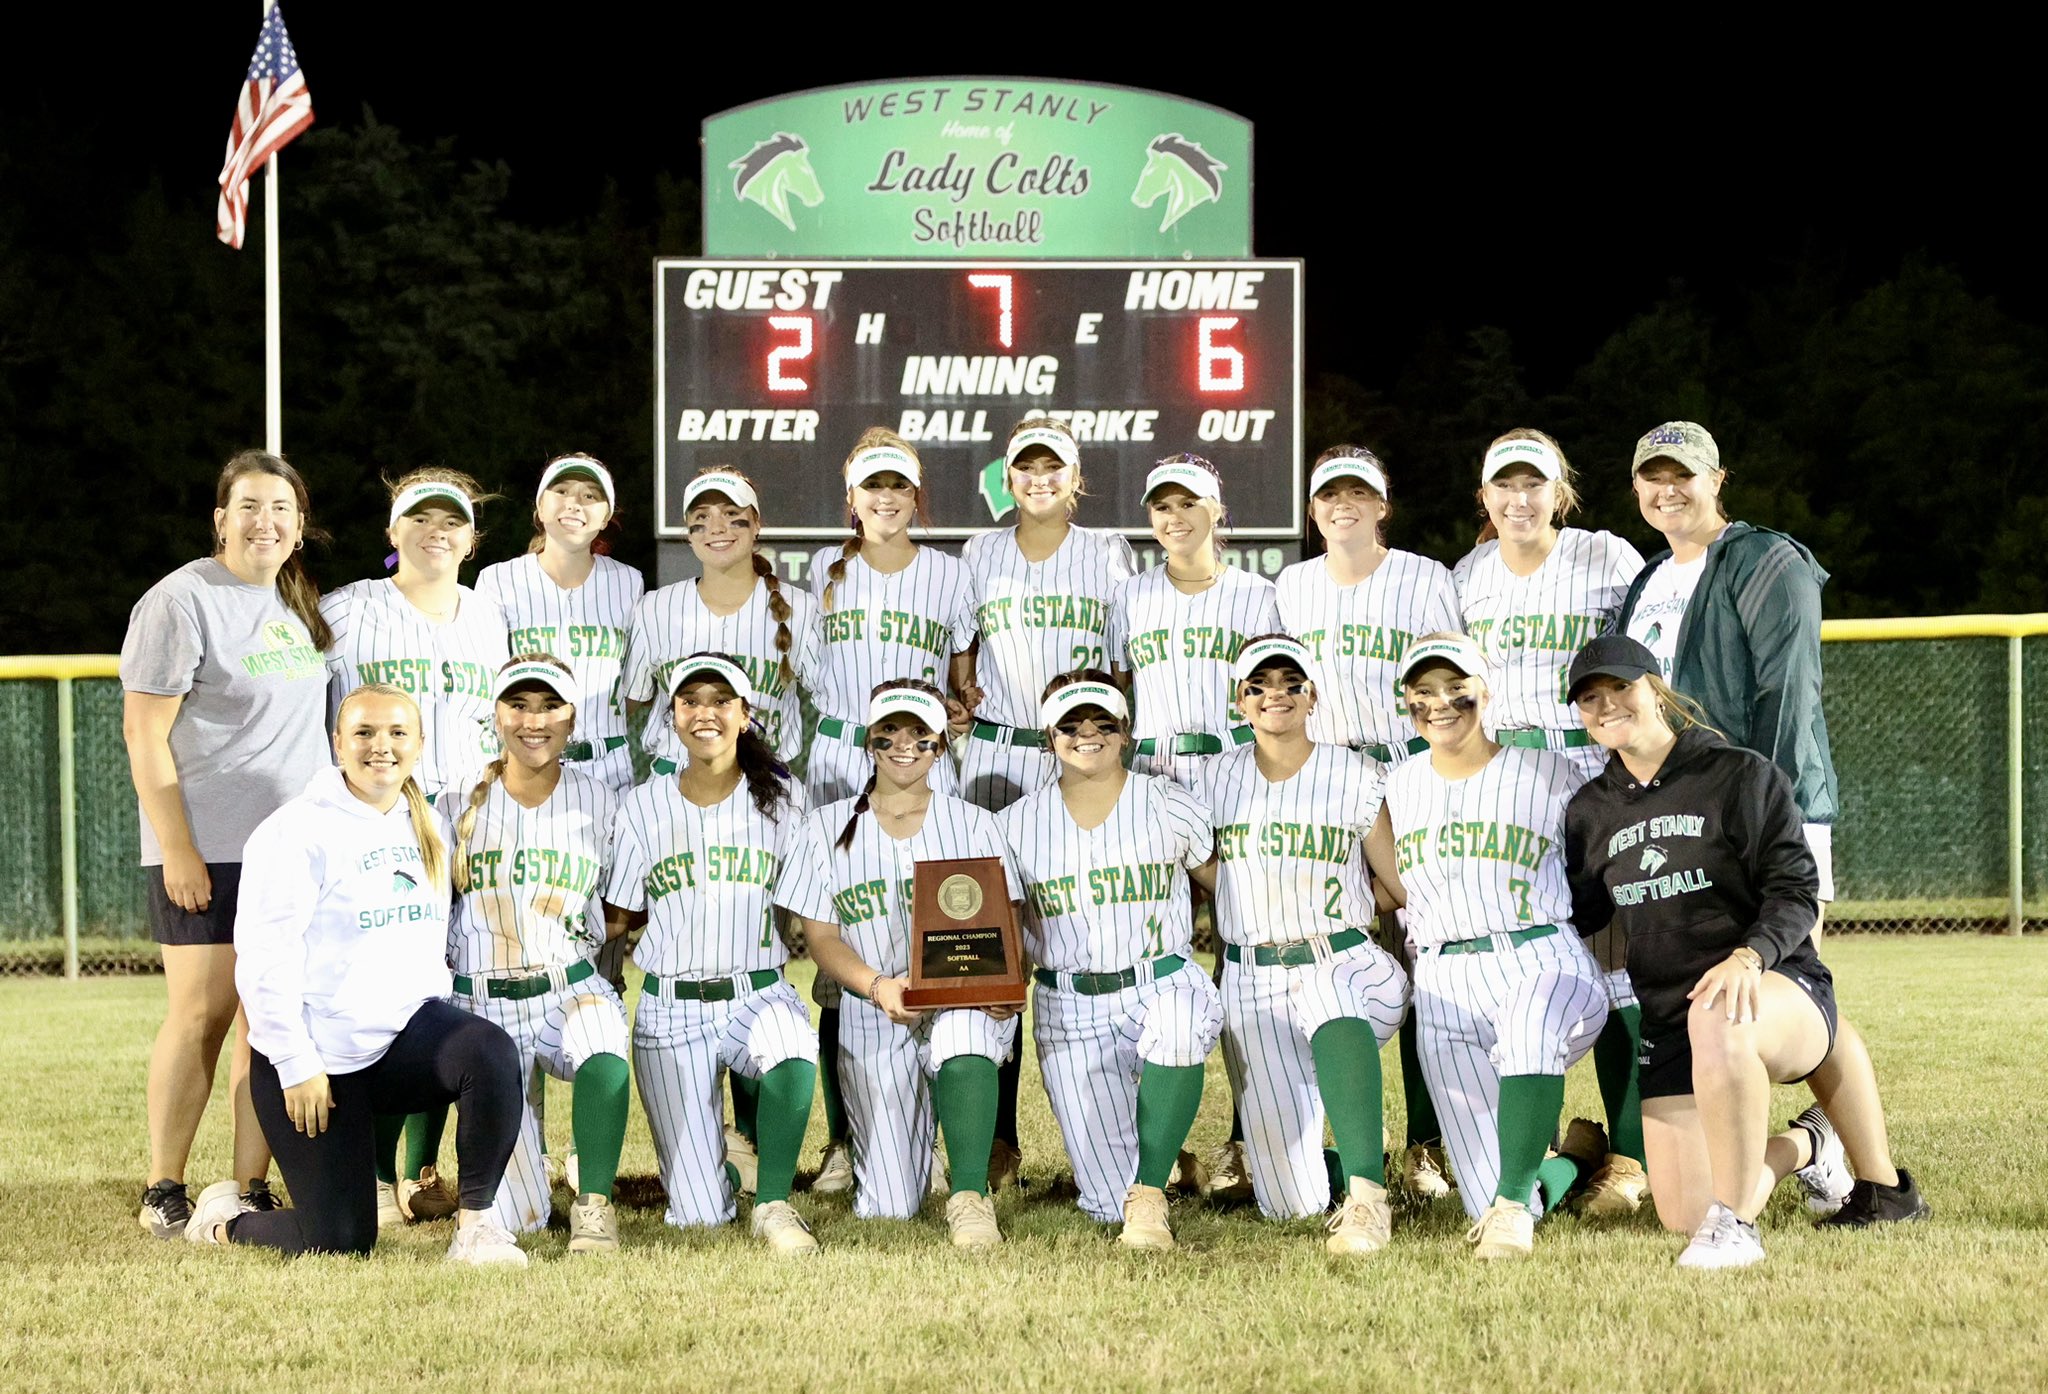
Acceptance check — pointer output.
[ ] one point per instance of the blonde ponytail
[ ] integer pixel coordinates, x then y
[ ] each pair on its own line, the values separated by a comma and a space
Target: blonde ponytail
433, 856
465, 826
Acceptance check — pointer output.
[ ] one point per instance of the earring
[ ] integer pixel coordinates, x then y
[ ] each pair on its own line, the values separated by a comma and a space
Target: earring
300, 545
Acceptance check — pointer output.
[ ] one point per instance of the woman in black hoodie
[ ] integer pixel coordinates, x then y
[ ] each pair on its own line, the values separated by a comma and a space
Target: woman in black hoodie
1694, 847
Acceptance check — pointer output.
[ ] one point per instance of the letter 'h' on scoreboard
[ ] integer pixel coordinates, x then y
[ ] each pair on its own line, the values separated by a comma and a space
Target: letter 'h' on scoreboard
775, 367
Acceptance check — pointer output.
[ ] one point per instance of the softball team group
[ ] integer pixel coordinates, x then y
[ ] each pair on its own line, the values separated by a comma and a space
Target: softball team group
1551, 803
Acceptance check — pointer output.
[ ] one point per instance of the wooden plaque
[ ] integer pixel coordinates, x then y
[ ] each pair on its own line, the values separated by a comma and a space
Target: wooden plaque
964, 947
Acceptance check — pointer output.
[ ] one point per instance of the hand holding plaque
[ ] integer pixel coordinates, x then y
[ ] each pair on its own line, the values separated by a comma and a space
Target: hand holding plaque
964, 947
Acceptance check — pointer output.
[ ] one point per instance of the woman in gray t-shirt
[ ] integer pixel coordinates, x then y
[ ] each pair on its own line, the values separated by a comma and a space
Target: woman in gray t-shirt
224, 714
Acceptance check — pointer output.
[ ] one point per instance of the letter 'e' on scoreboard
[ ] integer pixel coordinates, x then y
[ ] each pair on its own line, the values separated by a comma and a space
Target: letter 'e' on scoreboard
776, 367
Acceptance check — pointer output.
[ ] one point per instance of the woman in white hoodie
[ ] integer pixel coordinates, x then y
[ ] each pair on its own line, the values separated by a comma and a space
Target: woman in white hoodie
342, 933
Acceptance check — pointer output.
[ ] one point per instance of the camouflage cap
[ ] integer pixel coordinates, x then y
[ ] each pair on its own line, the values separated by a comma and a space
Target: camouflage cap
1682, 442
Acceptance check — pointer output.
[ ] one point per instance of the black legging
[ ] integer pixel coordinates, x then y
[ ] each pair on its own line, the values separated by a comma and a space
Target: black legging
443, 1056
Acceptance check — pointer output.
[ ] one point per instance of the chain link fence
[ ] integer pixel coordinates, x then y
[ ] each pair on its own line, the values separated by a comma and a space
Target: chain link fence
1921, 713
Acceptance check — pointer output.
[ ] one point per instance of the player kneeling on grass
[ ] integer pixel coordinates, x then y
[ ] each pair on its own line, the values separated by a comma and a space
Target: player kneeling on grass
342, 937
1506, 996
850, 878
1124, 1017
1308, 998
696, 859
1694, 848
531, 843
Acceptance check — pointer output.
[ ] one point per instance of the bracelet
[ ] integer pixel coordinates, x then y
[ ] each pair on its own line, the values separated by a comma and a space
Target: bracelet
1750, 956
879, 975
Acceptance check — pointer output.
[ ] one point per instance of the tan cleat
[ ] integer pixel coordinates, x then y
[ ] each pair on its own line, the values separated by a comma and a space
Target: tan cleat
428, 1198
1618, 1188
1190, 1175
1506, 1230
1422, 1173
389, 1216
836, 1174
1004, 1162
972, 1218
744, 1161
1145, 1224
1230, 1179
787, 1234
593, 1225
1585, 1142
1364, 1222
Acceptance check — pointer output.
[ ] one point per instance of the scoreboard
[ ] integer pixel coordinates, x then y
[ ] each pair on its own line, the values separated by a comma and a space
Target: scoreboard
776, 367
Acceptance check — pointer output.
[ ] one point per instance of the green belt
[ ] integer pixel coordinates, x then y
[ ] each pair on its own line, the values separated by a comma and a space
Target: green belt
590, 750
1297, 954
1192, 742
1484, 944
1414, 745
1536, 738
843, 730
1102, 984
1008, 735
518, 989
711, 989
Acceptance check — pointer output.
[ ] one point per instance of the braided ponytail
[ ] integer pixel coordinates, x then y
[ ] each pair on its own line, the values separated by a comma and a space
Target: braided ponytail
860, 806
465, 826
779, 608
836, 573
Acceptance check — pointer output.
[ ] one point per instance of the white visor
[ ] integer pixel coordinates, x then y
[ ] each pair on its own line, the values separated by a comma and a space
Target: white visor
883, 459
546, 674
723, 669
719, 482
1533, 453
1269, 653
413, 495
577, 464
1193, 478
1076, 695
1461, 653
908, 701
1058, 442
1349, 467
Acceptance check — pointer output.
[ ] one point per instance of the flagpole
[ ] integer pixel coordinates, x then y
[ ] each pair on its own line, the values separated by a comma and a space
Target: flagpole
273, 339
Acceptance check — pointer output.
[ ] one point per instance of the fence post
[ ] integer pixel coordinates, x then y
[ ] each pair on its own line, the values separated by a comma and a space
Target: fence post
67, 822
2015, 785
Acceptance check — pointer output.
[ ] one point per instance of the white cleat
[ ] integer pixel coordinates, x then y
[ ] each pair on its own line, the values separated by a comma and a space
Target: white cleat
218, 1204
485, 1242
1364, 1222
787, 1234
836, 1174
1722, 1241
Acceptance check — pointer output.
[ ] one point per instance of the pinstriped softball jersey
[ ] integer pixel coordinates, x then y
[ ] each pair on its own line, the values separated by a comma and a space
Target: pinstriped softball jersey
1291, 866
447, 668
1104, 899
672, 623
533, 905
1290, 860
885, 1069
1531, 627
1179, 648
1357, 634
1039, 619
584, 627
902, 624
536, 877
706, 878
1097, 900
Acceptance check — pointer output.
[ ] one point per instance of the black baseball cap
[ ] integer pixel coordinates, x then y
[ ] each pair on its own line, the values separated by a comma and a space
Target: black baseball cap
1610, 656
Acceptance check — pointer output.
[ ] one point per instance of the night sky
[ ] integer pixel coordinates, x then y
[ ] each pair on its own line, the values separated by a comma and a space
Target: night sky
1551, 184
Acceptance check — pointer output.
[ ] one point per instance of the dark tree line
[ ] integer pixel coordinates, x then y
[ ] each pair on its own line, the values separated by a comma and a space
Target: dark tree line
1890, 426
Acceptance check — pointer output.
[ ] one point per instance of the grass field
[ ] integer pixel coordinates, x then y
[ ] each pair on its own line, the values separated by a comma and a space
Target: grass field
1956, 1025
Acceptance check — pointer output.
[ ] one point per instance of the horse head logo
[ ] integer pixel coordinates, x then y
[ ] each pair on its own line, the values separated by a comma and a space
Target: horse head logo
775, 171
1653, 859
1182, 172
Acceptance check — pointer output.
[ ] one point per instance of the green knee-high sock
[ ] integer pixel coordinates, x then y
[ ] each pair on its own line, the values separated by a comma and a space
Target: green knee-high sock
1347, 1056
1555, 1177
1169, 1097
1422, 1124
1614, 1062
1529, 1105
423, 1140
964, 1094
598, 1121
785, 1099
390, 1128
746, 1106
828, 1074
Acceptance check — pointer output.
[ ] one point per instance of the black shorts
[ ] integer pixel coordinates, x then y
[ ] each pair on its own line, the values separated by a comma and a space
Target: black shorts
1664, 1069
168, 924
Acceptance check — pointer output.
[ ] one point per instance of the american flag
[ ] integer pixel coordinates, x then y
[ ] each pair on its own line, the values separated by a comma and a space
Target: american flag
273, 108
